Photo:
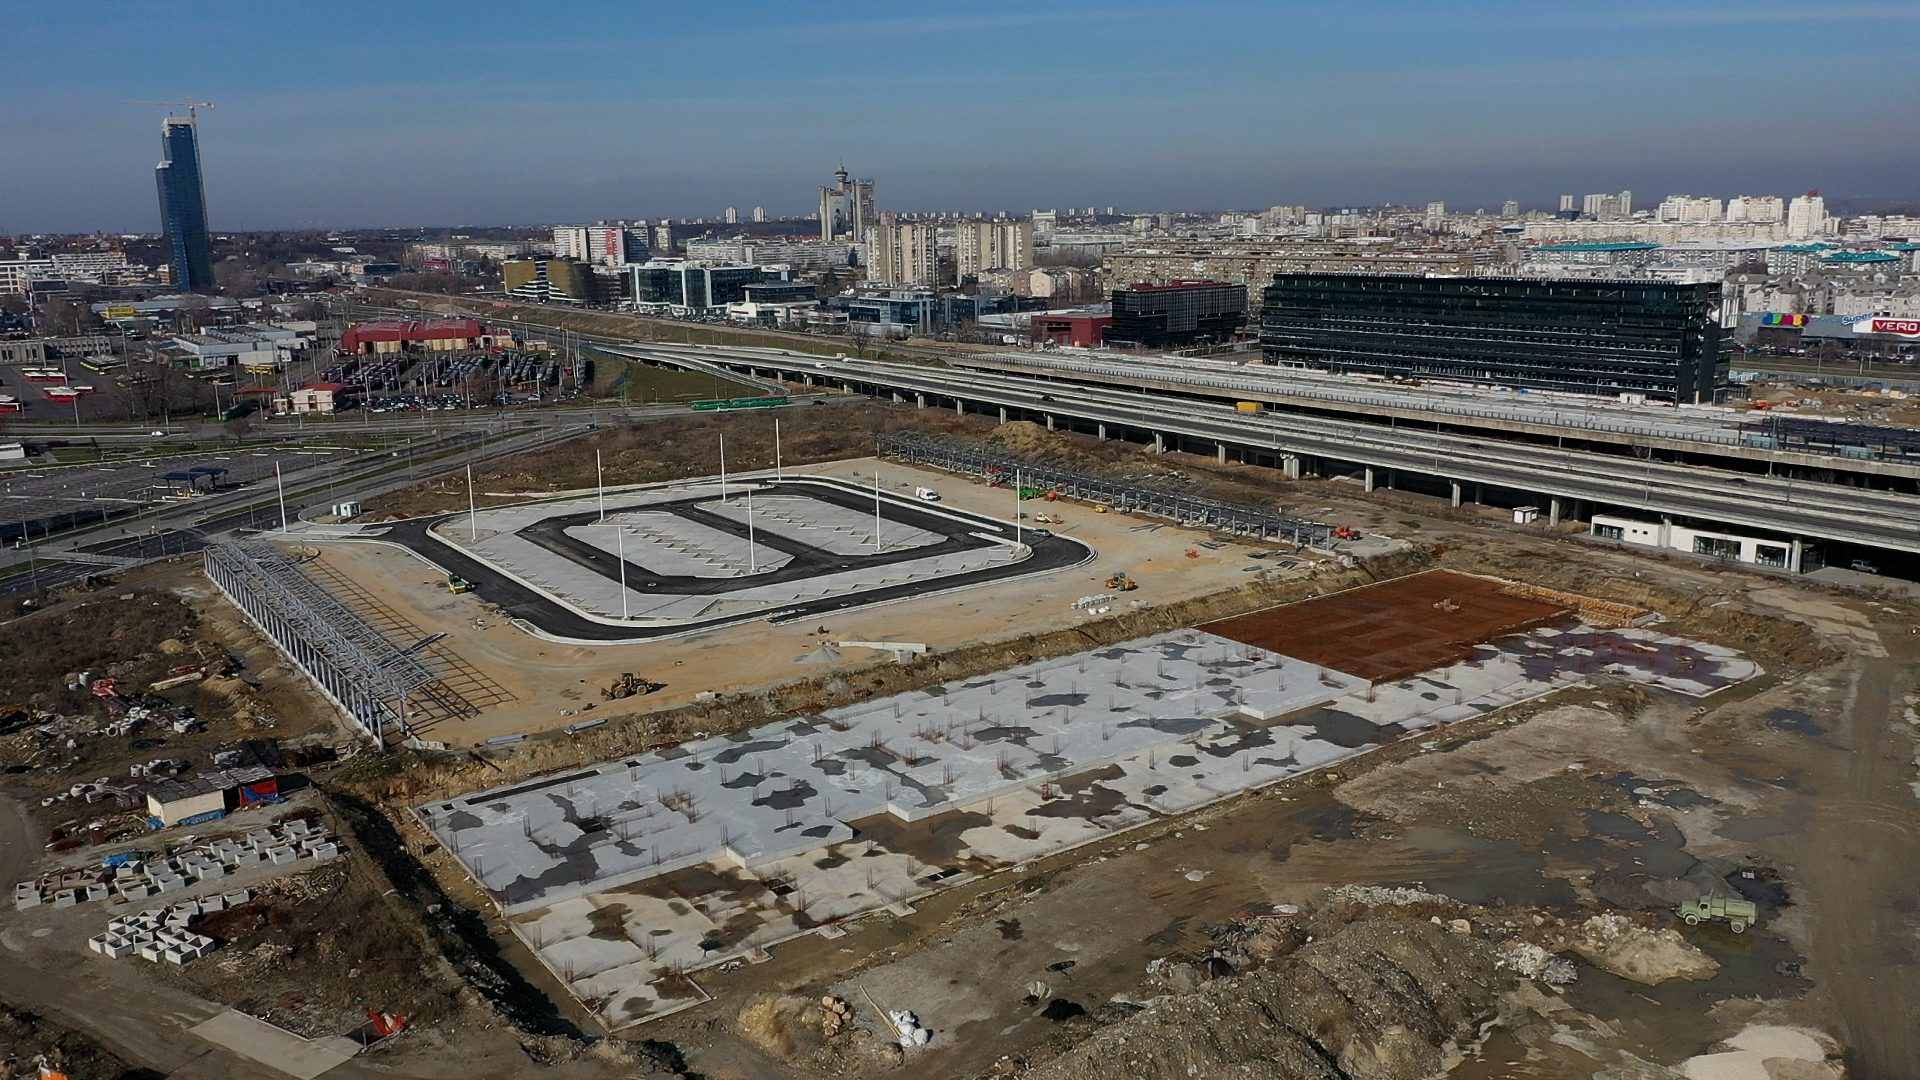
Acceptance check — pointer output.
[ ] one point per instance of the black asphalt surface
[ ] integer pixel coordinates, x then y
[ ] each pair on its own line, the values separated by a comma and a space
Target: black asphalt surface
1052, 552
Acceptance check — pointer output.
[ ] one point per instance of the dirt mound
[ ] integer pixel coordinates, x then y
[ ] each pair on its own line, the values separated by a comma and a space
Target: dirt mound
1023, 437
1381, 999
1617, 944
798, 1031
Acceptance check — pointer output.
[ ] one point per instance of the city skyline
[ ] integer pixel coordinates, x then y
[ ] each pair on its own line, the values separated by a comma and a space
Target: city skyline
437, 116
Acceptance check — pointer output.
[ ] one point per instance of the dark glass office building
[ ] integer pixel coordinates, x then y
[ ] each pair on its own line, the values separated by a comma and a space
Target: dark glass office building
183, 205
1178, 314
1655, 338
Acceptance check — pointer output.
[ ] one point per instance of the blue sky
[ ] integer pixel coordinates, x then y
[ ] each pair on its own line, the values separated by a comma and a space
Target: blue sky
403, 113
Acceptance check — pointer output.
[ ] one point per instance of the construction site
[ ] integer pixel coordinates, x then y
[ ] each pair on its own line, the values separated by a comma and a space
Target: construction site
990, 751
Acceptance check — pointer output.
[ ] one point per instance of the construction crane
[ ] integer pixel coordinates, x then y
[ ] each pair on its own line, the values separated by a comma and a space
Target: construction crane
193, 107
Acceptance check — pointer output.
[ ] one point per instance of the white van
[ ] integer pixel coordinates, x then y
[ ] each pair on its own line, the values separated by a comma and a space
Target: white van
926, 494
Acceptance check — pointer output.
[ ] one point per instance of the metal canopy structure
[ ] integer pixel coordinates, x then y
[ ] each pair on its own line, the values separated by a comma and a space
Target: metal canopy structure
366, 675
958, 455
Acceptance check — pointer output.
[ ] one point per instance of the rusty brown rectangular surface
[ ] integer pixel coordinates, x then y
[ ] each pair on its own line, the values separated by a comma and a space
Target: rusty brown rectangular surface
1394, 628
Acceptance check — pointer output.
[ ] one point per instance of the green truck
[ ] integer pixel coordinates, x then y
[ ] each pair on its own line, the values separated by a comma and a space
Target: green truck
1739, 914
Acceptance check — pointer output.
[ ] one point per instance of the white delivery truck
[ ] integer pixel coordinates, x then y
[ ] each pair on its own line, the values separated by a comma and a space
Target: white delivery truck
926, 494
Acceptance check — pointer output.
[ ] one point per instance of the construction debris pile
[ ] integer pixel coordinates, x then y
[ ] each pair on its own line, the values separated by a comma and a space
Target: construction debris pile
161, 933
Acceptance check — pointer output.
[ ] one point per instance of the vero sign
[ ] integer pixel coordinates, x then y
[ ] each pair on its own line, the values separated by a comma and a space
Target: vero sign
1901, 327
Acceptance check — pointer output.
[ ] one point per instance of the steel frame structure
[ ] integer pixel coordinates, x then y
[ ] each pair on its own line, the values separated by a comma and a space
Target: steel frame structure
366, 675
960, 456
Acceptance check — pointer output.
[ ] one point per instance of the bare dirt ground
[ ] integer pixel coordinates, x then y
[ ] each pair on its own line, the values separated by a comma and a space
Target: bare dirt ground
544, 679
1602, 800
1136, 957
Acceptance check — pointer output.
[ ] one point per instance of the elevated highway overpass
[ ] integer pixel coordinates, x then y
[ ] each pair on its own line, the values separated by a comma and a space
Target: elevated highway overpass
1710, 483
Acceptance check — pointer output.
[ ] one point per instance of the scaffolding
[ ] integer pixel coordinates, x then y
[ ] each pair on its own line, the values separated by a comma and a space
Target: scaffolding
366, 675
1237, 519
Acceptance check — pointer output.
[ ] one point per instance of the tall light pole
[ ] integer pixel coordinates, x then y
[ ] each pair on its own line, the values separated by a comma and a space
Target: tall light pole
620, 555
473, 527
777, 475
281, 487
723, 468
876, 511
753, 562
1016, 506
600, 477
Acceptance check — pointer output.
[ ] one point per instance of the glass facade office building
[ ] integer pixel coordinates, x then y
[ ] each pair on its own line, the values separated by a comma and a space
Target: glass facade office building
183, 205
1656, 338
1178, 314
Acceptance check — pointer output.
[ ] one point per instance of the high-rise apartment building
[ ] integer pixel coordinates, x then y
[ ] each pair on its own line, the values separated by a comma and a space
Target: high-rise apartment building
731, 215
902, 253
1686, 208
1045, 221
183, 205
1566, 203
1807, 216
1608, 207
847, 209
1436, 213
979, 246
600, 245
1510, 208
1763, 209
759, 213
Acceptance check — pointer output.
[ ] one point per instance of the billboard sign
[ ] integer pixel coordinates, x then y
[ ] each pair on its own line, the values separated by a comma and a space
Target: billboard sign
1897, 327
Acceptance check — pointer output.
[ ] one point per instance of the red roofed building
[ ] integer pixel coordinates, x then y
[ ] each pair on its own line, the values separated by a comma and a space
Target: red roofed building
430, 335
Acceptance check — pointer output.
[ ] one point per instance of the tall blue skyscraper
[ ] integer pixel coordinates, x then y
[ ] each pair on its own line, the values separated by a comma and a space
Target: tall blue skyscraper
183, 204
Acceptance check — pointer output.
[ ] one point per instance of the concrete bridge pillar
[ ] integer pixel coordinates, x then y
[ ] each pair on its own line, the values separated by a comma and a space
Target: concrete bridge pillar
806, 378
1553, 512
1220, 453
1049, 421
1159, 443
1480, 494
1103, 433
919, 401
896, 397
1456, 491
1793, 555
1290, 464
1003, 414
1369, 477
959, 407
847, 386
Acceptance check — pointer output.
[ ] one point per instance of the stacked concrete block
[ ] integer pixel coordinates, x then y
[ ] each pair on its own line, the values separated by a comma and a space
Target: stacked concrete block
27, 894
323, 852
280, 856
96, 892
65, 898
162, 934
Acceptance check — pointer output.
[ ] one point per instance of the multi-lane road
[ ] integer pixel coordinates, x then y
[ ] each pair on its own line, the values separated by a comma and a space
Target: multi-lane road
1641, 486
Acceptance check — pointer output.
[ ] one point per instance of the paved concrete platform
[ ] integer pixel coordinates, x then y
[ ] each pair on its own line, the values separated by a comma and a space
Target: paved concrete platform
673, 546
837, 529
689, 559
273, 1046
623, 877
